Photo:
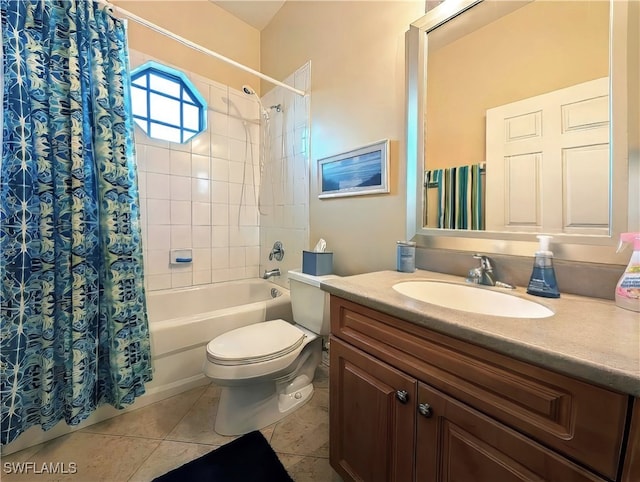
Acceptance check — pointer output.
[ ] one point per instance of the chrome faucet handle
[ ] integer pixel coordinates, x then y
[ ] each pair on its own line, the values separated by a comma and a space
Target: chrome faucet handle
277, 251
484, 274
485, 261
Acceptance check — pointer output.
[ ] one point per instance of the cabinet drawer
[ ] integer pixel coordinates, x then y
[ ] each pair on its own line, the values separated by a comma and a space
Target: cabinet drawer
580, 420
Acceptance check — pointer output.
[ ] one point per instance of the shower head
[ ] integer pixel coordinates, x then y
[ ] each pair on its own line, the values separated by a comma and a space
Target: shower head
247, 89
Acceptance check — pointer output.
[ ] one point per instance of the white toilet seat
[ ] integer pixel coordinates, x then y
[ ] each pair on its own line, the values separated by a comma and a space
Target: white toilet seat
256, 343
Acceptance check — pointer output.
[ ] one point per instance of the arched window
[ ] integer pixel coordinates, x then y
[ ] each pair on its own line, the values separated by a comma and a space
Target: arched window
165, 103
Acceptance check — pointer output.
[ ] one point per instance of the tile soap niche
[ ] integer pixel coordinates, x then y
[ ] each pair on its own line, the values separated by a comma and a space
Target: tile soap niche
181, 256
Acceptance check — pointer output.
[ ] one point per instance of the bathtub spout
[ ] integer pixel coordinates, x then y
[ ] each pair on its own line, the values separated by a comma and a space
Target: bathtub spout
270, 273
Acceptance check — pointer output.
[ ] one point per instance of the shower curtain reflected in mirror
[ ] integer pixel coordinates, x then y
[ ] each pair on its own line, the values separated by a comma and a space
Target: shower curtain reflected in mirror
74, 331
458, 198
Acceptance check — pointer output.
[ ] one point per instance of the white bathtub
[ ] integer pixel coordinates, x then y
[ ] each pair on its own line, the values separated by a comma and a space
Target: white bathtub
182, 322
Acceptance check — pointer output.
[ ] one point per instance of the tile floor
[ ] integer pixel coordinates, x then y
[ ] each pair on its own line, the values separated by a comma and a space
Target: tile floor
145, 443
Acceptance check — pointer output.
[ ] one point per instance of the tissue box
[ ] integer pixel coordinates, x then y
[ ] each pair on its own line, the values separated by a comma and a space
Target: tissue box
317, 264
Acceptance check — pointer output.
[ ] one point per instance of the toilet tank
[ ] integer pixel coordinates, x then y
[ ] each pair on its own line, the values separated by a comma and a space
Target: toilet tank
310, 305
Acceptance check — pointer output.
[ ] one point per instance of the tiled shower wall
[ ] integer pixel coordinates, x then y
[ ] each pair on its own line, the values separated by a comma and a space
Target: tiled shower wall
284, 200
203, 195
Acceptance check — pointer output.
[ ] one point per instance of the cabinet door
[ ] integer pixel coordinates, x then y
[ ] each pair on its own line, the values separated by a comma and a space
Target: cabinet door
631, 472
372, 417
456, 443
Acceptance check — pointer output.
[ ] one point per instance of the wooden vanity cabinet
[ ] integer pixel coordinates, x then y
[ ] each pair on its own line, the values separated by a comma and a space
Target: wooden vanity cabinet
373, 404
408, 404
631, 468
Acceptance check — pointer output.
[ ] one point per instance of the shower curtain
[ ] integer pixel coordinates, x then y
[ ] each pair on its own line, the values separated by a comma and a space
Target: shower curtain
74, 331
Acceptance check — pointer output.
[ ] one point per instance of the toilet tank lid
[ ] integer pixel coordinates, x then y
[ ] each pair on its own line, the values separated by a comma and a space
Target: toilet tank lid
309, 278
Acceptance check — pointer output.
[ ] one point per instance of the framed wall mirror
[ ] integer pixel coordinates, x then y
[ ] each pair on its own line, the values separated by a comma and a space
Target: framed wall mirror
523, 119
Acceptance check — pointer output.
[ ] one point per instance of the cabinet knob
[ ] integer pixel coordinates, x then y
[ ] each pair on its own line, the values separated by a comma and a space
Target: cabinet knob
425, 410
402, 395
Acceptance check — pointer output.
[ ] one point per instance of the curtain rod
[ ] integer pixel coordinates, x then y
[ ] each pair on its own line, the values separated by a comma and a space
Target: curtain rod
199, 48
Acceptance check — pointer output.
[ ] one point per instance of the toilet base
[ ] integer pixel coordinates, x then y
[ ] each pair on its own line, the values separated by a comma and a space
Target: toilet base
243, 408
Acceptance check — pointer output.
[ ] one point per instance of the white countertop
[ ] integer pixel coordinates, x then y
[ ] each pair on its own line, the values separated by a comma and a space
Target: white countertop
587, 338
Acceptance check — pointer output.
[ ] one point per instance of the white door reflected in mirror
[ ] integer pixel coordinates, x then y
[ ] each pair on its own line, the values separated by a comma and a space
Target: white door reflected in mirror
554, 148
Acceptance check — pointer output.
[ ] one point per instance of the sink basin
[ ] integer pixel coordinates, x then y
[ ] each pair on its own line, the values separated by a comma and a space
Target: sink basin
472, 299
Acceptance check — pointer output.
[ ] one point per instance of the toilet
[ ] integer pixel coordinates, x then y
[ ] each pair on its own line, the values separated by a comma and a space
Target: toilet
266, 369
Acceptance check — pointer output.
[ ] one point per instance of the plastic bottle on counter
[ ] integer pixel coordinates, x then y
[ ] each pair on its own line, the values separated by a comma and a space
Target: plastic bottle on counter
406, 256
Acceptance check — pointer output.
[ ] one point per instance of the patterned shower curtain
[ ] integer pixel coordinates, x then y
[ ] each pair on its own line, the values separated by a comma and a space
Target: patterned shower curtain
74, 331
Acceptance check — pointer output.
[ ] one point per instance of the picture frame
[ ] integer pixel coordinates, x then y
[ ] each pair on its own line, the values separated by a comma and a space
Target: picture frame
357, 172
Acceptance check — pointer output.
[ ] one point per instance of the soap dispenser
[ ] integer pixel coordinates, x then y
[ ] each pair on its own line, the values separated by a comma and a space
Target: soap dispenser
543, 278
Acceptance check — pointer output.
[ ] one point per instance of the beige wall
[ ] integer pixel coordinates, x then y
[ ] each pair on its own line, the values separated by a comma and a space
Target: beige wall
205, 24
551, 45
634, 116
357, 59
356, 51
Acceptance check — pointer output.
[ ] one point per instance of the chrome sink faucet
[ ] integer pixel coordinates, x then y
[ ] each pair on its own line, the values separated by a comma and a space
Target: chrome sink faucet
272, 272
483, 274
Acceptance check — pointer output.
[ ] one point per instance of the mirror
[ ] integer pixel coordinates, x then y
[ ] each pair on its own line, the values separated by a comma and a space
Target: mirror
508, 131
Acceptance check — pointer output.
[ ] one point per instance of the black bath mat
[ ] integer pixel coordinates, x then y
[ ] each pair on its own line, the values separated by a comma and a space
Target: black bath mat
249, 458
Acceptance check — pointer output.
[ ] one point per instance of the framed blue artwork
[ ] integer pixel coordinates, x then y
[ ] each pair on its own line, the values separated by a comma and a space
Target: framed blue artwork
364, 170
